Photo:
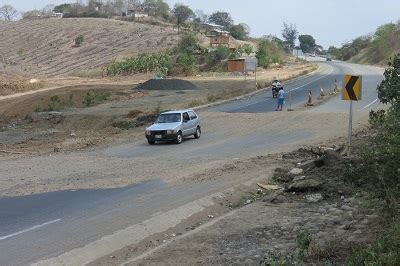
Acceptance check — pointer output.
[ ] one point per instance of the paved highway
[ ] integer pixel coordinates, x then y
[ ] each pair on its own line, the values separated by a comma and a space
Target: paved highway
297, 91
79, 226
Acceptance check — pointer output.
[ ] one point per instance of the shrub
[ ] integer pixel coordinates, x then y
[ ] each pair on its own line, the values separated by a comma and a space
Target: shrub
145, 63
93, 98
134, 113
195, 103
215, 58
268, 52
79, 40
384, 251
55, 104
187, 63
380, 165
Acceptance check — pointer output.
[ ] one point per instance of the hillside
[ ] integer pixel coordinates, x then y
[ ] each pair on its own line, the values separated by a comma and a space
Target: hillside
45, 47
376, 48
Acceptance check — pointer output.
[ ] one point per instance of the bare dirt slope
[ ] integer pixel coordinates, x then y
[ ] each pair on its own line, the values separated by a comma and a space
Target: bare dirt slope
46, 47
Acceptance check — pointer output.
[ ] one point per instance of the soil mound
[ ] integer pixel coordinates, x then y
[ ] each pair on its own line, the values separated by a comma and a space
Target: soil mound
167, 84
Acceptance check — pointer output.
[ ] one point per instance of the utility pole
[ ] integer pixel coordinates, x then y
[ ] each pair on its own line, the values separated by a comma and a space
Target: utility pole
255, 74
245, 75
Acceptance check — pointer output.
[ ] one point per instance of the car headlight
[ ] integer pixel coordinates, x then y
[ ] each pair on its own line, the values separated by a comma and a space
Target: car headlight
169, 132
148, 133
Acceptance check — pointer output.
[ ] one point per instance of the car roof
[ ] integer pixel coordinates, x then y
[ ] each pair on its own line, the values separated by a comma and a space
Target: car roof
178, 111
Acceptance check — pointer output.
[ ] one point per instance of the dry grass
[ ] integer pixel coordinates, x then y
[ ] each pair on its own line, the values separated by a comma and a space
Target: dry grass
46, 47
12, 85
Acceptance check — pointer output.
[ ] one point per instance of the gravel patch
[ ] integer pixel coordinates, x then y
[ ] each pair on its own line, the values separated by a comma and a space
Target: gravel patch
167, 84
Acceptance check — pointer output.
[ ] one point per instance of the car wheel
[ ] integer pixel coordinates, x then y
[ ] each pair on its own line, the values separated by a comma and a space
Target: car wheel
198, 133
179, 138
151, 142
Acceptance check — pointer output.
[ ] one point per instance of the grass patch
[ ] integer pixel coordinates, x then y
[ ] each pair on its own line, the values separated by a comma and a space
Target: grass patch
95, 97
195, 103
87, 73
384, 251
57, 104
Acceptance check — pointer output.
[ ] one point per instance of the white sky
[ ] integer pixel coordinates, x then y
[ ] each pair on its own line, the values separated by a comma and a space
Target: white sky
331, 22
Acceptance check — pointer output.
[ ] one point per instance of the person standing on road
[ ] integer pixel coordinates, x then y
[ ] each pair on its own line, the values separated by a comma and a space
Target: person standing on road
281, 99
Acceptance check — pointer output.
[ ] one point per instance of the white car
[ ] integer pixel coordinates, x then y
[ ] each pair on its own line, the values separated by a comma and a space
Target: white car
174, 126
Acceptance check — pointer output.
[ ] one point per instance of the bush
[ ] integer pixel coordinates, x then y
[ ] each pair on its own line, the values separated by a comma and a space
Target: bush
79, 40
379, 164
55, 104
195, 103
145, 63
187, 63
93, 98
384, 251
215, 58
188, 44
269, 52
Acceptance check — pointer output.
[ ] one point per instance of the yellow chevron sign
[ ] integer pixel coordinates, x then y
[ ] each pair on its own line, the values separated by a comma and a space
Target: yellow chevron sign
352, 88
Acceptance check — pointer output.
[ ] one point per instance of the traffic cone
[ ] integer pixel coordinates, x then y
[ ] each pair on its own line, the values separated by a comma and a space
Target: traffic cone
310, 100
321, 93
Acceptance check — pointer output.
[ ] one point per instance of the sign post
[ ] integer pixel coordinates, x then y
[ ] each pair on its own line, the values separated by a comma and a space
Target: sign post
352, 92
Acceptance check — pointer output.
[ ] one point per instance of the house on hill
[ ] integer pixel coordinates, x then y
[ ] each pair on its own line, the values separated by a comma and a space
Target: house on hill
209, 28
137, 13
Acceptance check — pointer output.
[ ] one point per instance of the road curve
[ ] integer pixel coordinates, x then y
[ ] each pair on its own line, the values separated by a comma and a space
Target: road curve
297, 91
39, 227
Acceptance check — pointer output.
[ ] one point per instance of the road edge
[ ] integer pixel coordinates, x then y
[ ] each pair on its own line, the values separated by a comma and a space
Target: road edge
201, 107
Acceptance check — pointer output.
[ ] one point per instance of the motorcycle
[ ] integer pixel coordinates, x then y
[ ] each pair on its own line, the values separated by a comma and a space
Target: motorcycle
275, 91
276, 86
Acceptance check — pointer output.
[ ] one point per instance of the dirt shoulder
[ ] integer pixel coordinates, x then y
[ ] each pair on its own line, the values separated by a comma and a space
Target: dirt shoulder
130, 160
27, 123
264, 223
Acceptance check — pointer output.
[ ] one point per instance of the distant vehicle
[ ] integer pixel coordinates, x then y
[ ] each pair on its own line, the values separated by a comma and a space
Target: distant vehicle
276, 86
328, 59
174, 126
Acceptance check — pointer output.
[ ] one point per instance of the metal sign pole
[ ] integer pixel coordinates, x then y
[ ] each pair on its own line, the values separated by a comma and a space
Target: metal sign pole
245, 75
350, 128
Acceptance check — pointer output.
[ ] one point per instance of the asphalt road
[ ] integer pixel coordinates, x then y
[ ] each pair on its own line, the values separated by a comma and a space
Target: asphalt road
39, 227
297, 91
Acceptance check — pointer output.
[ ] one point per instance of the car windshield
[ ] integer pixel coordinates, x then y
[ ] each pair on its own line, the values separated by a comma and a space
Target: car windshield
169, 118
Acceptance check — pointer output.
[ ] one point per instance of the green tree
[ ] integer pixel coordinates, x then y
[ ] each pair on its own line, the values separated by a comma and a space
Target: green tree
188, 44
246, 49
157, 8
289, 34
31, 14
240, 31
389, 89
63, 8
380, 159
268, 52
221, 18
385, 41
333, 51
307, 43
215, 57
187, 63
182, 14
